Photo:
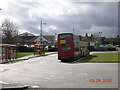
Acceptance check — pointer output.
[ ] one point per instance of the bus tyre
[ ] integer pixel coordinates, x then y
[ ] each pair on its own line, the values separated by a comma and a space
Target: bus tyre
62, 60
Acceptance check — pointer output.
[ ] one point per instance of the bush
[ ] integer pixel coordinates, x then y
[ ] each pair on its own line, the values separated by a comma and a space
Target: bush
101, 49
112, 49
52, 49
25, 49
105, 49
91, 48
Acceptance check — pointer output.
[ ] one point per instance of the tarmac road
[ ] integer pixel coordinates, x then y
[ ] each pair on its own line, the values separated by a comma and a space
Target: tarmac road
49, 72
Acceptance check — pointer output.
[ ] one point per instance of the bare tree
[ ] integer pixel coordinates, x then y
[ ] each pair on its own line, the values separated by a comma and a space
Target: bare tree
9, 32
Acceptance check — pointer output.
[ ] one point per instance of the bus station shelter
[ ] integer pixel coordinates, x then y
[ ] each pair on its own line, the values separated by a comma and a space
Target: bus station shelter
39, 49
8, 52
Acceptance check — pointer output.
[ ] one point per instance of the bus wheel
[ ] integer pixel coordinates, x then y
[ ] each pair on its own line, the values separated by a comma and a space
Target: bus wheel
62, 60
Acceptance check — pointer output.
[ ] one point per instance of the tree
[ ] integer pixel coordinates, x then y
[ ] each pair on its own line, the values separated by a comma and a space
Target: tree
91, 35
117, 36
9, 32
0, 36
86, 35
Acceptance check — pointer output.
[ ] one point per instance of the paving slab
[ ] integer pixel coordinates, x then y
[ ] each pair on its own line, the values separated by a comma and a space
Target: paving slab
12, 87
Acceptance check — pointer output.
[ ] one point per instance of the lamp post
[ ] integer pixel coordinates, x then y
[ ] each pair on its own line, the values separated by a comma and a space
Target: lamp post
73, 30
100, 33
0, 33
41, 25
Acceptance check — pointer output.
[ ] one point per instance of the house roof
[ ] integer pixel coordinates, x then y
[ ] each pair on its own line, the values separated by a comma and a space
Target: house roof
26, 38
50, 38
34, 38
26, 34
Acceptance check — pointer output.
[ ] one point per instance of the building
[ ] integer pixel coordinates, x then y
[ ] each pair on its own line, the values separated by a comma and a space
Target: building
29, 40
50, 39
26, 34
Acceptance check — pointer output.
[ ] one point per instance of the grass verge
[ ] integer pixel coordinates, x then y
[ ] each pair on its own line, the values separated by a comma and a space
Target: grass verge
102, 57
22, 54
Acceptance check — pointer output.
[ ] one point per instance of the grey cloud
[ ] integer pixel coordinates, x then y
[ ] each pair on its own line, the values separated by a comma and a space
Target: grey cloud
103, 15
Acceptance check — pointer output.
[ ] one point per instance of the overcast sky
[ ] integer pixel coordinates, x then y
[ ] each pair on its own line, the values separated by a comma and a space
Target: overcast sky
62, 16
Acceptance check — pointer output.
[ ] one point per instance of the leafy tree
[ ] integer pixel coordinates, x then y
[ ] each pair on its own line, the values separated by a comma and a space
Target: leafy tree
86, 35
118, 36
9, 31
91, 35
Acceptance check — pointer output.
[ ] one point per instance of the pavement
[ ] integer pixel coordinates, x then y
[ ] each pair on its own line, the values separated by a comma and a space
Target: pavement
28, 57
6, 86
12, 87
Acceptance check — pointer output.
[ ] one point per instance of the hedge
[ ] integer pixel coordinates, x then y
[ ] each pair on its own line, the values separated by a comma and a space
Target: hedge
91, 48
25, 49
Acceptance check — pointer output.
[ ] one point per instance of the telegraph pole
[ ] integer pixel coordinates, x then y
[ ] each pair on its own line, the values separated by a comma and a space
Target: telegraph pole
41, 24
41, 33
73, 30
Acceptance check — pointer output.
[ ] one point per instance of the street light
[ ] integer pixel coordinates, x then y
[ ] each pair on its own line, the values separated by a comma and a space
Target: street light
100, 33
41, 31
73, 30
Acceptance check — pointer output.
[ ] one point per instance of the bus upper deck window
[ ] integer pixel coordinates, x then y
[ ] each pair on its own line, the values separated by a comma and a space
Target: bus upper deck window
65, 36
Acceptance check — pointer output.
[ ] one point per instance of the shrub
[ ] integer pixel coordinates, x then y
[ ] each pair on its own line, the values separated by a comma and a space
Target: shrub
52, 49
25, 49
112, 49
91, 48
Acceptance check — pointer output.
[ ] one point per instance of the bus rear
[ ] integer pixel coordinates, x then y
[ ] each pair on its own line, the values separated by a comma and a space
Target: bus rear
65, 46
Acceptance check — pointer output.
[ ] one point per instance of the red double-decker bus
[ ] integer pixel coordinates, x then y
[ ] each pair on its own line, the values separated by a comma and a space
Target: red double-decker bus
69, 47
